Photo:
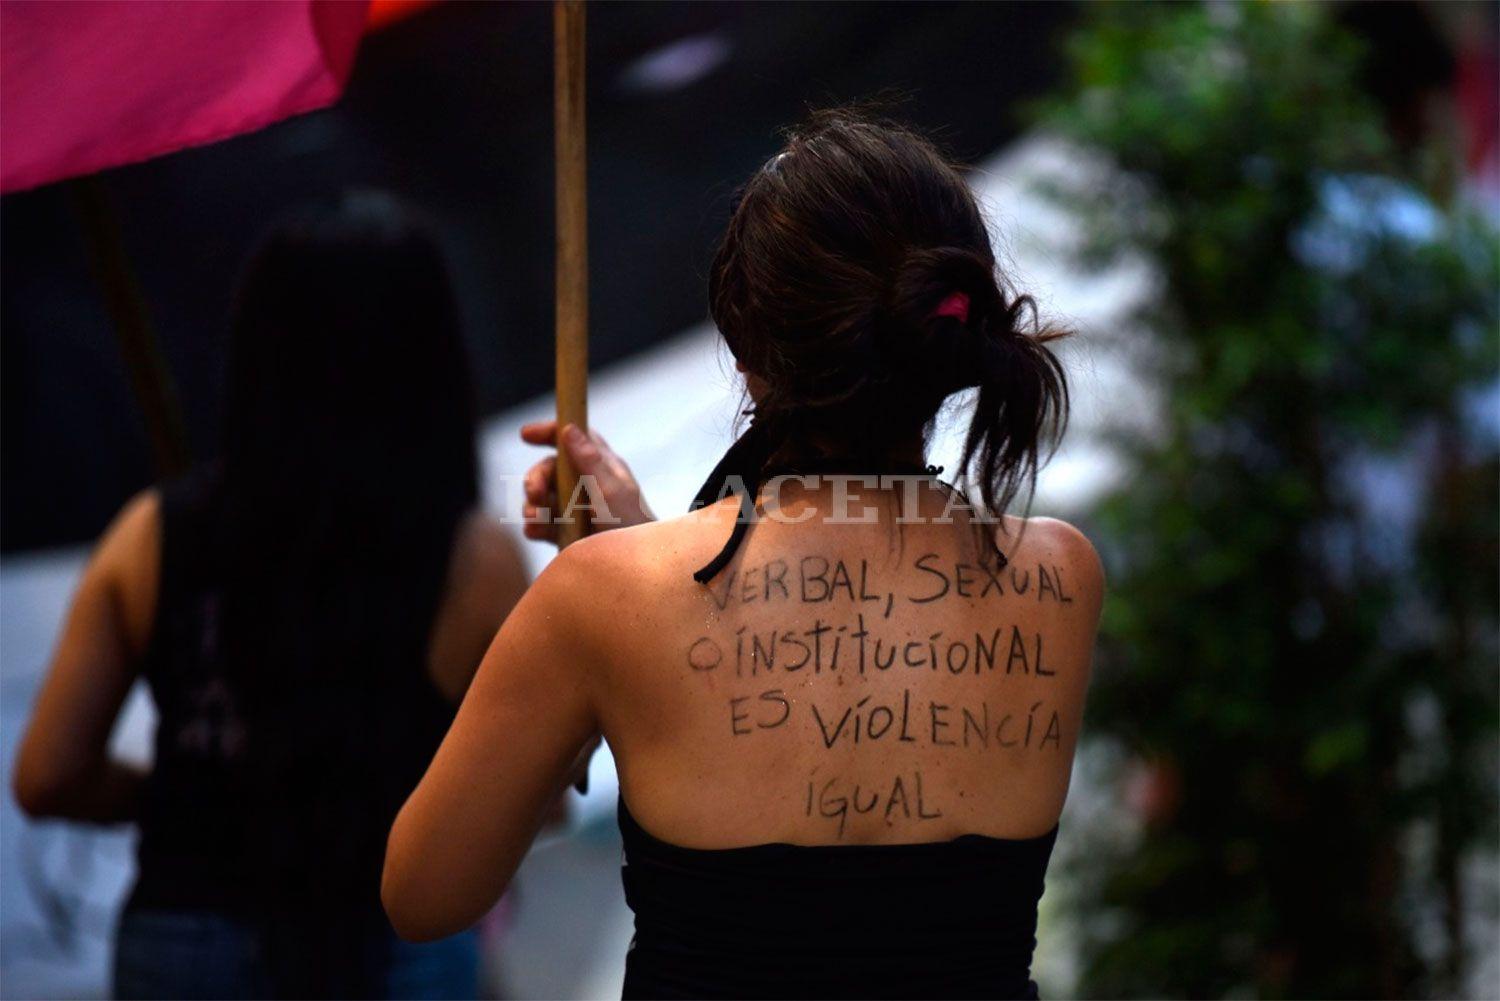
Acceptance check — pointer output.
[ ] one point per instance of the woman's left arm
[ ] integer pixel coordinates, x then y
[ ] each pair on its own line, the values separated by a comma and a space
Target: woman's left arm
461, 835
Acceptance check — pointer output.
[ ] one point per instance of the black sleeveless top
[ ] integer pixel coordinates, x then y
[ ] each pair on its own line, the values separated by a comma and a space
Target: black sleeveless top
215, 831
951, 919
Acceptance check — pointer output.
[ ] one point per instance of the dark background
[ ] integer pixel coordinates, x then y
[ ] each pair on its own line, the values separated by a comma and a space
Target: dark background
451, 108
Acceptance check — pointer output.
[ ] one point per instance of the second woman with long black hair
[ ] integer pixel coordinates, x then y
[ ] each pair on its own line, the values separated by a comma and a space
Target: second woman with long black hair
307, 611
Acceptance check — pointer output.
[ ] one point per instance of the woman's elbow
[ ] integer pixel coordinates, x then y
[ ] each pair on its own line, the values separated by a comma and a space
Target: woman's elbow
410, 928
41, 792
410, 910
426, 902
414, 919
405, 915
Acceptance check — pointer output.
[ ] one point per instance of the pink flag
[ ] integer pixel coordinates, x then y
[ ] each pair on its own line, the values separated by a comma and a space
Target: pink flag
90, 85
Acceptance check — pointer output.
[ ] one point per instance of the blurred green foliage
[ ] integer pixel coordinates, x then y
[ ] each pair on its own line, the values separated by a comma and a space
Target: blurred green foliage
1299, 654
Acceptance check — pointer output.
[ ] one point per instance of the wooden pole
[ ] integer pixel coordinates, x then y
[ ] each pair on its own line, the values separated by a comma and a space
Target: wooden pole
144, 362
572, 246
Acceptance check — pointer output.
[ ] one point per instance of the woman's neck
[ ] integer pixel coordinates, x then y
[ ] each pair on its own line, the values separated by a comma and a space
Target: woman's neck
823, 453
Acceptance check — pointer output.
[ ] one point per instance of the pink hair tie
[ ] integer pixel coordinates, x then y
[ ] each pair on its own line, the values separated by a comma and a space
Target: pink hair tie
955, 305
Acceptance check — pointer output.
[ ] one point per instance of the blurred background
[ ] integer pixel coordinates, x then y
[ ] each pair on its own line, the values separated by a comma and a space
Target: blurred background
1274, 227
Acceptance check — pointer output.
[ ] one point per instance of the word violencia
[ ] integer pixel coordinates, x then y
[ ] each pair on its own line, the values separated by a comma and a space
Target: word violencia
825, 647
904, 720
817, 579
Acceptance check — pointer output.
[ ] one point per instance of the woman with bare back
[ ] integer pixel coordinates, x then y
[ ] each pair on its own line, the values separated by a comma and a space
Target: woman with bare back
842, 699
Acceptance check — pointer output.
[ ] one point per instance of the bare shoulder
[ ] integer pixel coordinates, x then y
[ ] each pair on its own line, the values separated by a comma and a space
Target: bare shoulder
486, 553
583, 571
629, 577
580, 592
486, 578
127, 565
1065, 540
662, 547
129, 551
137, 527
1059, 543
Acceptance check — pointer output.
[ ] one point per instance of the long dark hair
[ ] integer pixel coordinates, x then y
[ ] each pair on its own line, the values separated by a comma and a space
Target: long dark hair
348, 460
837, 254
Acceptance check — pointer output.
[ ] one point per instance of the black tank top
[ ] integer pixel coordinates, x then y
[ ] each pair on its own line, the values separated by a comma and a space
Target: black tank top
206, 820
951, 919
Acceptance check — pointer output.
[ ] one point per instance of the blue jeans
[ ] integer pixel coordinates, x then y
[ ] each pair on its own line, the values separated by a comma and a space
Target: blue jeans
207, 954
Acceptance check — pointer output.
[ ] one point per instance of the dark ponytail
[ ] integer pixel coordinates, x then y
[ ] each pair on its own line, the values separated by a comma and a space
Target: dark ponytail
1000, 349
826, 288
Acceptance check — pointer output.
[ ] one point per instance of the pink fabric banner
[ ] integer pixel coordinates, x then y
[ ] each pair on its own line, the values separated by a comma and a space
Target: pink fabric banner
92, 84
